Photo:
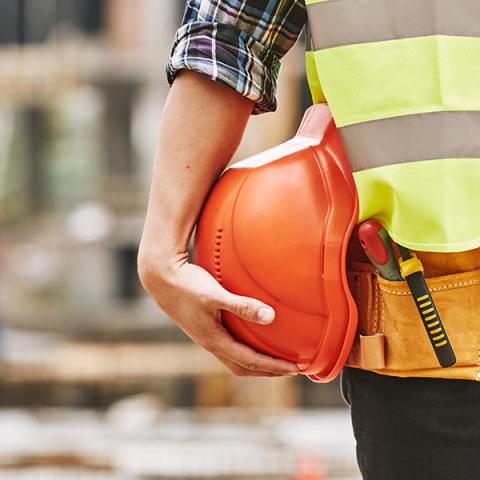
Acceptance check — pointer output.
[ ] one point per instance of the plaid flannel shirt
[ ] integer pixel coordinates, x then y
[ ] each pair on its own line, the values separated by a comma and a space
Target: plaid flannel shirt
238, 42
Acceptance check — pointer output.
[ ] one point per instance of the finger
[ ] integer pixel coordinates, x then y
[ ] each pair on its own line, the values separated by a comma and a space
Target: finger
239, 371
221, 343
246, 308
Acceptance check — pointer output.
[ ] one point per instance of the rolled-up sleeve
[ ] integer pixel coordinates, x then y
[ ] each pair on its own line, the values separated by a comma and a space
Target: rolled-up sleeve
239, 43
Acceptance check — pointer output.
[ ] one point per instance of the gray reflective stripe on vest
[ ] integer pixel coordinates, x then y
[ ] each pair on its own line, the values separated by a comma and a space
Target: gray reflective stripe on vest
343, 22
411, 138
308, 39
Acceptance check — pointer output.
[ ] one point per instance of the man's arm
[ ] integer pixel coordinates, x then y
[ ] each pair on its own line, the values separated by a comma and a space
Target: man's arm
239, 45
201, 128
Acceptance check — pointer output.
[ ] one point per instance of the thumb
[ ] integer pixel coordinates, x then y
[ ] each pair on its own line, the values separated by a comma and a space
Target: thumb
248, 308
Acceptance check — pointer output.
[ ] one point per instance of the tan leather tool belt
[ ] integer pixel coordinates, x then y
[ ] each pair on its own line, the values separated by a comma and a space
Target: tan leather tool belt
392, 339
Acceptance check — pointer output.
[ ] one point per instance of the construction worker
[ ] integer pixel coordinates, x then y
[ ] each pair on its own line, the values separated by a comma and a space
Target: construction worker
402, 79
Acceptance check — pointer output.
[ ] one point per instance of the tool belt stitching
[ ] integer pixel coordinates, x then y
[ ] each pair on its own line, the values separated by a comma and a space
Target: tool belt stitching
376, 297
382, 314
477, 376
432, 289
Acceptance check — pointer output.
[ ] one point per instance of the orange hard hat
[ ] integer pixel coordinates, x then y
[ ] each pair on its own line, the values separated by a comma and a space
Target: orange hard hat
276, 227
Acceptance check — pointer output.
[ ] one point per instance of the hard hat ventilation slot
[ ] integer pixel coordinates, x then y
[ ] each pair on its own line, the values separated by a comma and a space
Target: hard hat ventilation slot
216, 254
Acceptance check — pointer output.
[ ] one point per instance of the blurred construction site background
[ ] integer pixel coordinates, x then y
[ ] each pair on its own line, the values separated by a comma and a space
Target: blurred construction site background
95, 381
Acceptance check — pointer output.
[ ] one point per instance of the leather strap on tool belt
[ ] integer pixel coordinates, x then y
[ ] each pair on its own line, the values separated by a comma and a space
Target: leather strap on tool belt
391, 338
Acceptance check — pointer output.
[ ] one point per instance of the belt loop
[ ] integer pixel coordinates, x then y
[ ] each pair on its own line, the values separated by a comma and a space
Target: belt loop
368, 351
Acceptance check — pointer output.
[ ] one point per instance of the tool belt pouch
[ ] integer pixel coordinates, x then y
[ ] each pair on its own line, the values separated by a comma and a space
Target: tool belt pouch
391, 337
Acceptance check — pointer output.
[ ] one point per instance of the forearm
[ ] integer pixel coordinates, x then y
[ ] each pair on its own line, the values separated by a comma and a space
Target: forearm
201, 127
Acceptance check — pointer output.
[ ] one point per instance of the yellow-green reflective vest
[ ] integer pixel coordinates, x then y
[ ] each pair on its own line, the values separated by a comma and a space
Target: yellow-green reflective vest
402, 79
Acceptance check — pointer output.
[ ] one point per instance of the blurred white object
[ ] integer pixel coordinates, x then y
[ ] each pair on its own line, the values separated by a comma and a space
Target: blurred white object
134, 413
90, 222
37, 264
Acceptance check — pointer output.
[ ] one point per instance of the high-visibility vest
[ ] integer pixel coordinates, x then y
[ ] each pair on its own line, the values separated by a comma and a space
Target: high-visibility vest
402, 79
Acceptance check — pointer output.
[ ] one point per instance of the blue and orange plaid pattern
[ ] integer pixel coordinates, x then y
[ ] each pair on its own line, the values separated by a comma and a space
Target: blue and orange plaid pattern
238, 42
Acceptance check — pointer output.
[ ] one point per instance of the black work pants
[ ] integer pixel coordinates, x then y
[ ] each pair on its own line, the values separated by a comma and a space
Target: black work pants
414, 428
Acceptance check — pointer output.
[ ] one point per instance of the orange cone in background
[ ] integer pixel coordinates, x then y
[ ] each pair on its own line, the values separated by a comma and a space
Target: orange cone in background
309, 467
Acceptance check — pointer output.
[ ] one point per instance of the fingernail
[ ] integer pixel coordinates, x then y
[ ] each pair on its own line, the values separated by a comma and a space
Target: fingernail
266, 315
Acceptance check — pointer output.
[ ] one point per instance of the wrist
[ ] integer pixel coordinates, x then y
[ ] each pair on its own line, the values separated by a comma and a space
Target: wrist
157, 262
